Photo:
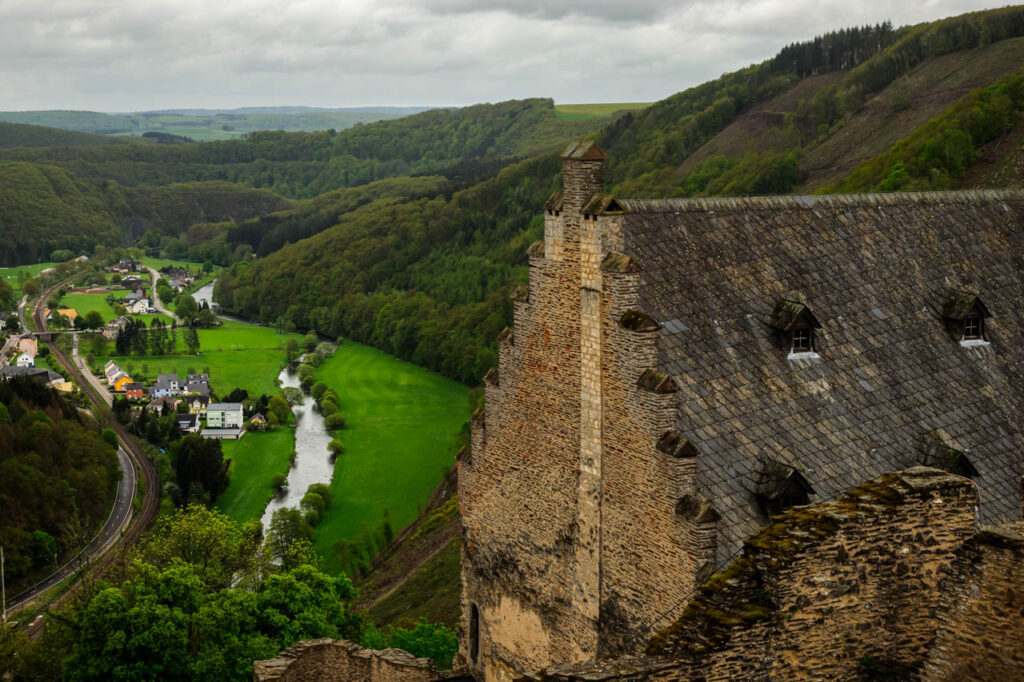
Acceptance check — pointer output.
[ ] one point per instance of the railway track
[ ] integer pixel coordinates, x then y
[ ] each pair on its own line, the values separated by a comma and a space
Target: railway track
144, 469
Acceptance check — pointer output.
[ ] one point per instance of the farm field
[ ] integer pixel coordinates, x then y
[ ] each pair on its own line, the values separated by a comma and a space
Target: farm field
400, 435
582, 112
157, 263
237, 355
83, 303
10, 275
254, 460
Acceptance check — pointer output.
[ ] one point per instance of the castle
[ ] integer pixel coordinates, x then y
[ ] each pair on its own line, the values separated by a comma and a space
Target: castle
749, 438
679, 371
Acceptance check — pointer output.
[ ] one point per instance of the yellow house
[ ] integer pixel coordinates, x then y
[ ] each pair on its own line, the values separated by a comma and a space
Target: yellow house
121, 382
69, 313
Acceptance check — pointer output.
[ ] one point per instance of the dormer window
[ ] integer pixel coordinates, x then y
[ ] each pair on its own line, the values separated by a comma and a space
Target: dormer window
779, 486
941, 452
794, 322
965, 318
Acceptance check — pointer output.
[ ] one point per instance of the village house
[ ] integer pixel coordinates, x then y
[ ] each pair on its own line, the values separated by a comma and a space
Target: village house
257, 422
121, 383
135, 391
166, 384
28, 345
46, 377
25, 360
224, 415
166, 404
188, 423
138, 306
197, 404
114, 327
199, 387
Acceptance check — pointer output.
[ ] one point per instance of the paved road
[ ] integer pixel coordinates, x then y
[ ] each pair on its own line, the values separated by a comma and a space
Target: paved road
119, 531
89, 376
117, 521
156, 299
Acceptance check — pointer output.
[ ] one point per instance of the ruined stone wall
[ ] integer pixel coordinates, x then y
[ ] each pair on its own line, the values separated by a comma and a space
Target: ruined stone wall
520, 488
328, 660
981, 610
837, 590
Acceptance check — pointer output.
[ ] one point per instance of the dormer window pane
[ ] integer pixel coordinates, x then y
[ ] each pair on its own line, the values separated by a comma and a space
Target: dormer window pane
973, 328
802, 341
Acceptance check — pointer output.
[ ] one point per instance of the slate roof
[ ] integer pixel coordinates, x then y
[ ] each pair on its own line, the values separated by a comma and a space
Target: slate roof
46, 376
224, 407
877, 272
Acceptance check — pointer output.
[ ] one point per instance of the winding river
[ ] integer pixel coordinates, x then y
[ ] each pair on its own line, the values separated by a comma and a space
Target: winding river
312, 461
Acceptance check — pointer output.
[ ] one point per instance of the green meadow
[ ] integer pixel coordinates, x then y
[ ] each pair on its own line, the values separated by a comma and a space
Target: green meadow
254, 460
10, 275
401, 427
84, 303
237, 356
157, 263
582, 112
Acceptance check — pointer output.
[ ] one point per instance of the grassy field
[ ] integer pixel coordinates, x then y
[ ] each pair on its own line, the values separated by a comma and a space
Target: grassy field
400, 434
157, 263
582, 112
83, 303
10, 275
237, 355
254, 460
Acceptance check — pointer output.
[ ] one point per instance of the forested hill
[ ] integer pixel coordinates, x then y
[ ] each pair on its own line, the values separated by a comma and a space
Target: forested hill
410, 234
931, 106
19, 135
74, 197
448, 142
808, 116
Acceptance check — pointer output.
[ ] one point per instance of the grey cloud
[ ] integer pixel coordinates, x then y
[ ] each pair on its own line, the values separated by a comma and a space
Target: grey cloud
601, 10
113, 55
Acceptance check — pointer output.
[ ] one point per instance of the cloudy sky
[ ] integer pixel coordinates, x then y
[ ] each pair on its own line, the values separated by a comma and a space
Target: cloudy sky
131, 55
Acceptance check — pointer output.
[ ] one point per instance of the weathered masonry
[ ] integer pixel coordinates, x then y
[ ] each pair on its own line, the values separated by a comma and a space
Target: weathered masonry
681, 370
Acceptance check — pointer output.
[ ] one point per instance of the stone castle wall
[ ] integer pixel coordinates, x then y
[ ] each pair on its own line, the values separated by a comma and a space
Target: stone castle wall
328, 660
981, 610
850, 590
573, 544
520, 488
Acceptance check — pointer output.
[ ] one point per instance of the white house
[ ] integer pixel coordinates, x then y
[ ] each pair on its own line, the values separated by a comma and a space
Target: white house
138, 306
25, 360
224, 415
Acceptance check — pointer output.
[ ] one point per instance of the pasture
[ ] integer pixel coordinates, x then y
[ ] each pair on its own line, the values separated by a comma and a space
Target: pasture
582, 112
400, 435
11, 275
254, 460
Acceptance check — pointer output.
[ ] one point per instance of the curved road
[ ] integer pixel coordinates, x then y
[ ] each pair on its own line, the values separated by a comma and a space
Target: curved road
117, 520
134, 463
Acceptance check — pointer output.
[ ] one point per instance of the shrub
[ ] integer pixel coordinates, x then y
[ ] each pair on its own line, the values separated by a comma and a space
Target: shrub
313, 501
335, 421
328, 408
336, 446
318, 390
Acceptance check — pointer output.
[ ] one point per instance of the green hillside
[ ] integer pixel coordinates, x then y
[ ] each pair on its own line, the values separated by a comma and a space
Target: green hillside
20, 135
204, 125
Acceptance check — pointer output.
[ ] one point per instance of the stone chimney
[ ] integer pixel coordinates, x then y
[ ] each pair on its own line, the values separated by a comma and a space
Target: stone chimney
582, 175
